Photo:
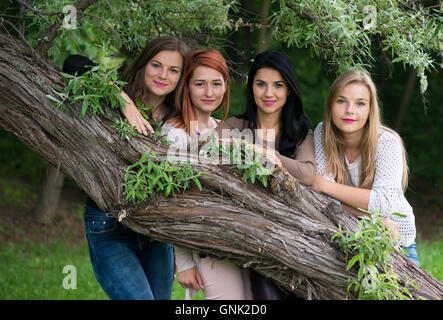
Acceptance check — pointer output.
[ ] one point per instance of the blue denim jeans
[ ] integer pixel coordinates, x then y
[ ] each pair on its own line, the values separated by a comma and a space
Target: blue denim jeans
128, 265
411, 253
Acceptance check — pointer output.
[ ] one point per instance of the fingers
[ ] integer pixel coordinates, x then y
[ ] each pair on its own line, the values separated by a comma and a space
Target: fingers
136, 119
196, 285
272, 156
199, 281
392, 227
190, 278
141, 128
278, 162
148, 126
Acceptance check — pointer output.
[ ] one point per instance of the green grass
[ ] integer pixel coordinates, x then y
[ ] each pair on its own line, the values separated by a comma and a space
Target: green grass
35, 271
430, 255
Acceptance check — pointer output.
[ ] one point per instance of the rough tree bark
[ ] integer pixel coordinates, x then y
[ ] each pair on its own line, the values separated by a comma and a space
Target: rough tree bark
46, 207
283, 232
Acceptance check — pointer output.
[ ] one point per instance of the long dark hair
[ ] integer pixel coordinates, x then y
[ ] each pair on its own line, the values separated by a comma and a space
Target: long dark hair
294, 122
135, 73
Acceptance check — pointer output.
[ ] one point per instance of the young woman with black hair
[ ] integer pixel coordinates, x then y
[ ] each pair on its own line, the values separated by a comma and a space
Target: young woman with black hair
274, 104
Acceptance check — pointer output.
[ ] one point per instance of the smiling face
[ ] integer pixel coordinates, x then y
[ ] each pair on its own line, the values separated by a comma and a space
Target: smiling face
350, 109
206, 89
270, 91
163, 72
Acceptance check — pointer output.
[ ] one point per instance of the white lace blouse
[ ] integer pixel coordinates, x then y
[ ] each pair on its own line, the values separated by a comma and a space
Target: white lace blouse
386, 194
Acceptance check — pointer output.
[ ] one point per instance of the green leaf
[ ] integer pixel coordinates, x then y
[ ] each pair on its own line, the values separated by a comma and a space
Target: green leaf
84, 107
399, 215
168, 190
264, 180
352, 262
197, 182
53, 99
253, 174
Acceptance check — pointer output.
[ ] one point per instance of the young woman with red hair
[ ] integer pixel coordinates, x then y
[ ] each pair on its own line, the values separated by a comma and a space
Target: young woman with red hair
205, 90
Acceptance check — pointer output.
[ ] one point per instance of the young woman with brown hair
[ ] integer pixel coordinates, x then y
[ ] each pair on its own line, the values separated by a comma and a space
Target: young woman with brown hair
129, 265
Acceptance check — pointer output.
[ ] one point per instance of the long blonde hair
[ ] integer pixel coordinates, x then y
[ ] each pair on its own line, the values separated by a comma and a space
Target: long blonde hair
333, 140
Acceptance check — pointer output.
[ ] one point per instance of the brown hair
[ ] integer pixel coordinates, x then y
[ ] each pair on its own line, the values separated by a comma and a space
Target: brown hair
135, 73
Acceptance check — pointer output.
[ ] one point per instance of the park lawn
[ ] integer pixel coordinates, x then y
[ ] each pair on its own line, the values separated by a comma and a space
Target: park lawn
35, 271
431, 257
31, 271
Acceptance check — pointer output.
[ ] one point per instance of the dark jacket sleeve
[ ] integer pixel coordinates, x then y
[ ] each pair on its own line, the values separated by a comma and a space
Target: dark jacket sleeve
302, 164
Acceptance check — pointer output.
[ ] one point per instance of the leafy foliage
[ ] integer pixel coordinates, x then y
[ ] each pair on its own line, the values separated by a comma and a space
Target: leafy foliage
197, 21
124, 129
371, 247
91, 88
243, 156
251, 162
149, 176
343, 32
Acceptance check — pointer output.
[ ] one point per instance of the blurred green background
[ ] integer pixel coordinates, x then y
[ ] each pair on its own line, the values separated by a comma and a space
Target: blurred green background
33, 254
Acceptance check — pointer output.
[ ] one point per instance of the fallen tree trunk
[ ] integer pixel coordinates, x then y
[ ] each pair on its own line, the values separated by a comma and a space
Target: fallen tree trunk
284, 232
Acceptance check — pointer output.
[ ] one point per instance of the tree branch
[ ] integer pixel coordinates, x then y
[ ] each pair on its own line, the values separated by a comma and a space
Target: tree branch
52, 32
284, 232
41, 14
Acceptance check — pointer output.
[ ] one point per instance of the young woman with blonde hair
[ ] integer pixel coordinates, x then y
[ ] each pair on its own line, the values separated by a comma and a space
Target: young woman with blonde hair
361, 162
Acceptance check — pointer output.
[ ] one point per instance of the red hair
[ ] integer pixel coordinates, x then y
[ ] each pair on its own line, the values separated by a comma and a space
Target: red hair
207, 58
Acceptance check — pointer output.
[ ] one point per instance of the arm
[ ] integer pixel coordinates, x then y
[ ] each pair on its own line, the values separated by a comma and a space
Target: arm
135, 118
386, 188
302, 166
187, 273
352, 196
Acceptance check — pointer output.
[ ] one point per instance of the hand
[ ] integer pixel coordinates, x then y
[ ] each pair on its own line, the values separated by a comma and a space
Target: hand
271, 155
392, 227
317, 183
190, 278
134, 116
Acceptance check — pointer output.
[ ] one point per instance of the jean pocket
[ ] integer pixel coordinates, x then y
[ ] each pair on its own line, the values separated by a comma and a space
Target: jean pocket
99, 224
